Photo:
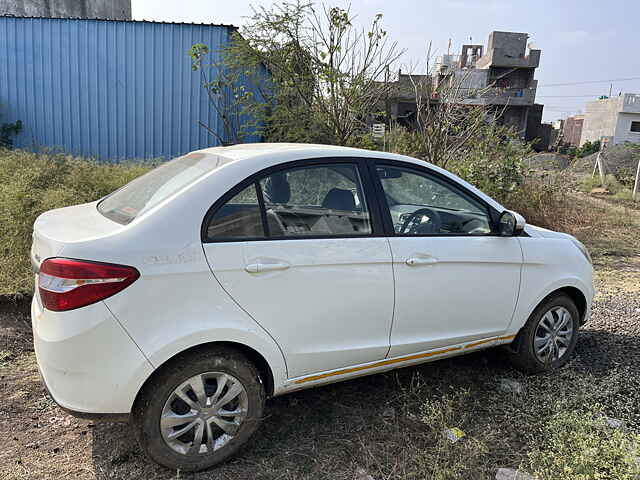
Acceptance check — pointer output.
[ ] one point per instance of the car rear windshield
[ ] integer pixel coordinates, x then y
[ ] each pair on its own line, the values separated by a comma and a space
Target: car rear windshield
143, 193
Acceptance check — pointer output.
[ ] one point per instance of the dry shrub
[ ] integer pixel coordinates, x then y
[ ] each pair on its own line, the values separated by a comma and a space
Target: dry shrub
548, 202
545, 203
32, 183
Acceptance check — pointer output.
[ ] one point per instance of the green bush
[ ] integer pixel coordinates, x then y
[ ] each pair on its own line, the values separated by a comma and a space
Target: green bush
493, 162
588, 148
626, 176
406, 142
610, 182
32, 183
7, 131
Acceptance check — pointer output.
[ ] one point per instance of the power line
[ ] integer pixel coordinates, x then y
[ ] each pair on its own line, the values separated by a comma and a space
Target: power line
570, 96
587, 82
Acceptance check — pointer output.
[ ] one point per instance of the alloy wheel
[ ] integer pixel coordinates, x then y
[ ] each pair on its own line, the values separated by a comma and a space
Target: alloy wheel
204, 413
553, 335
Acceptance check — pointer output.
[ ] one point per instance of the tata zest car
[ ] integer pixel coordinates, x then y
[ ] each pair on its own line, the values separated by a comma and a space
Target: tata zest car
229, 275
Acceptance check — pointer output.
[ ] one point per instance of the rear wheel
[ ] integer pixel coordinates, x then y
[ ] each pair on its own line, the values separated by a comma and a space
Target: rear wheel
549, 337
199, 410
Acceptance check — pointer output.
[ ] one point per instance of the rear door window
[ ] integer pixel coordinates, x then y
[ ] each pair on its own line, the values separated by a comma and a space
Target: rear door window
307, 201
315, 201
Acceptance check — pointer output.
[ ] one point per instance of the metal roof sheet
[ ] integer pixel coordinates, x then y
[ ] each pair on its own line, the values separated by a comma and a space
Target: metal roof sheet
228, 25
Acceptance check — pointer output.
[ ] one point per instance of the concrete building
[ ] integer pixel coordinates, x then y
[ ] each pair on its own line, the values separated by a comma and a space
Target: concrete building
572, 130
617, 118
502, 77
95, 9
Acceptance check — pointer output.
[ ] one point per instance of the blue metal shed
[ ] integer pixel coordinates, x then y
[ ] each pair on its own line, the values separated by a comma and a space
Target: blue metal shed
107, 89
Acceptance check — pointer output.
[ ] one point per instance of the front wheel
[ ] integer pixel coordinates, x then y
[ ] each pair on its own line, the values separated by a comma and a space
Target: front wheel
549, 337
199, 410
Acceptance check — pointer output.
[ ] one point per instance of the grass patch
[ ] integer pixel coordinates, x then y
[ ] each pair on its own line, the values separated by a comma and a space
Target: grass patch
553, 430
610, 183
32, 183
578, 446
625, 195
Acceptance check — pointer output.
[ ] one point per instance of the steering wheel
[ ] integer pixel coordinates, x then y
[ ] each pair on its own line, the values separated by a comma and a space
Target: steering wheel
414, 223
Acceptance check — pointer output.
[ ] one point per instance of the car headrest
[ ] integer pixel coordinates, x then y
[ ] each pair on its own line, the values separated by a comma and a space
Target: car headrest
339, 199
277, 189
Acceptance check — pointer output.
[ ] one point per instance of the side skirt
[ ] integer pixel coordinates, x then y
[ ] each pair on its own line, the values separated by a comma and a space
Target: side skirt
332, 376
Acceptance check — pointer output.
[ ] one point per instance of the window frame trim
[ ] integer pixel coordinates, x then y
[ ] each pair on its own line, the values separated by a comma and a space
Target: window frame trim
368, 191
385, 211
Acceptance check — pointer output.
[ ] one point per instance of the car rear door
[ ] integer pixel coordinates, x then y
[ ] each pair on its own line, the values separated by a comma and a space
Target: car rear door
455, 280
299, 249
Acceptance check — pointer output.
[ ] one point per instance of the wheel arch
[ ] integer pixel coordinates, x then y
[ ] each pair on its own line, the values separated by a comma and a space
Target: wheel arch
255, 357
578, 298
574, 288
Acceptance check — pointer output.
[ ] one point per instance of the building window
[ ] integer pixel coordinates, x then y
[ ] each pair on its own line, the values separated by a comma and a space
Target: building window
635, 127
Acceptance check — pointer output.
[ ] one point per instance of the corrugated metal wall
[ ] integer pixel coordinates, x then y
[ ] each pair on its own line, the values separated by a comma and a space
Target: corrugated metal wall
107, 89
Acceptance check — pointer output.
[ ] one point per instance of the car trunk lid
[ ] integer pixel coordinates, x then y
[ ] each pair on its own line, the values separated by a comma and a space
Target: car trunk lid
55, 229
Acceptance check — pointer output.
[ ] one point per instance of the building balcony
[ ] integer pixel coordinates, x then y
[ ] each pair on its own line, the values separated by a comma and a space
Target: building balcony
500, 96
499, 57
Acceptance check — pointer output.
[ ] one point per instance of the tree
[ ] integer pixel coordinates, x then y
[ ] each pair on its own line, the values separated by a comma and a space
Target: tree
228, 96
326, 77
449, 113
453, 128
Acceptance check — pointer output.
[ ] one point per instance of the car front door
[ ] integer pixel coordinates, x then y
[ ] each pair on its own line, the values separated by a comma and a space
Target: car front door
455, 280
297, 248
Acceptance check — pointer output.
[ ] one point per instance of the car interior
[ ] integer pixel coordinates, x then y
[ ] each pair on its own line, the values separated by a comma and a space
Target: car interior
339, 212
422, 205
427, 219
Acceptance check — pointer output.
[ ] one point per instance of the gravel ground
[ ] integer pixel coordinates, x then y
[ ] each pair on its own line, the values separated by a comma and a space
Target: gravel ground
612, 338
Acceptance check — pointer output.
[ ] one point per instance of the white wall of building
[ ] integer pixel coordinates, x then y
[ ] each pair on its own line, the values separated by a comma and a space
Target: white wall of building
623, 128
612, 117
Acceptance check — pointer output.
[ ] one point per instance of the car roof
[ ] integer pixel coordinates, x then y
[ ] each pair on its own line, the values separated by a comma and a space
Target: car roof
245, 151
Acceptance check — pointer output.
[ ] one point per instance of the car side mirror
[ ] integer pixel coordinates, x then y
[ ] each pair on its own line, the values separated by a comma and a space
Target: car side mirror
511, 224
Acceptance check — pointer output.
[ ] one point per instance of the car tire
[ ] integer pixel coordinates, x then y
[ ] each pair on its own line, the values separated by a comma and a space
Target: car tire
222, 372
527, 352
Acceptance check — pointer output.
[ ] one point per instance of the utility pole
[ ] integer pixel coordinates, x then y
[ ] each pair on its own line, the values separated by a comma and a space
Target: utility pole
610, 88
635, 185
598, 164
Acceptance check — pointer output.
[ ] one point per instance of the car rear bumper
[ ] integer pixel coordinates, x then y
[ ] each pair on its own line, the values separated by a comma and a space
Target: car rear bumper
103, 417
88, 363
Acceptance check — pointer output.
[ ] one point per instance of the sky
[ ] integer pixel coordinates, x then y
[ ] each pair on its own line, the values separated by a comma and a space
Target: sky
581, 40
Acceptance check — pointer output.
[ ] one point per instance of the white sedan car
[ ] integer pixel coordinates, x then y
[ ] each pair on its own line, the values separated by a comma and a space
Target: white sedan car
229, 275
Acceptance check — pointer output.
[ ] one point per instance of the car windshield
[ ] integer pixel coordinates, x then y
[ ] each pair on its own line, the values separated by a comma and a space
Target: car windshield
145, 192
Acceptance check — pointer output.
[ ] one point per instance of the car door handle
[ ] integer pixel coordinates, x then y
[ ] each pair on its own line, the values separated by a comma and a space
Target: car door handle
416, 261
265, 267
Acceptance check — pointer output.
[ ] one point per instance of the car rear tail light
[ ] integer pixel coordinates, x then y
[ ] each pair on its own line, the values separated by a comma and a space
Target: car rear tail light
65, 284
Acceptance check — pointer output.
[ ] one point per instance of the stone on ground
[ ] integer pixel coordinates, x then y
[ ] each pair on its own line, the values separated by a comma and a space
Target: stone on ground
511, 474
509, 385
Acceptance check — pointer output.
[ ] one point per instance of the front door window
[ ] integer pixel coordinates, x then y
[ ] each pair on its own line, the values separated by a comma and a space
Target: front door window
421, 204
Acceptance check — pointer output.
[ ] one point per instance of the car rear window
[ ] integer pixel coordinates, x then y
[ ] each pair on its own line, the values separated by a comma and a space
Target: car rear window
138, 196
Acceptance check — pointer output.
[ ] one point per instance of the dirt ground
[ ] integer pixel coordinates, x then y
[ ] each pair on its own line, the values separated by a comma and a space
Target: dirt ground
374, 424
